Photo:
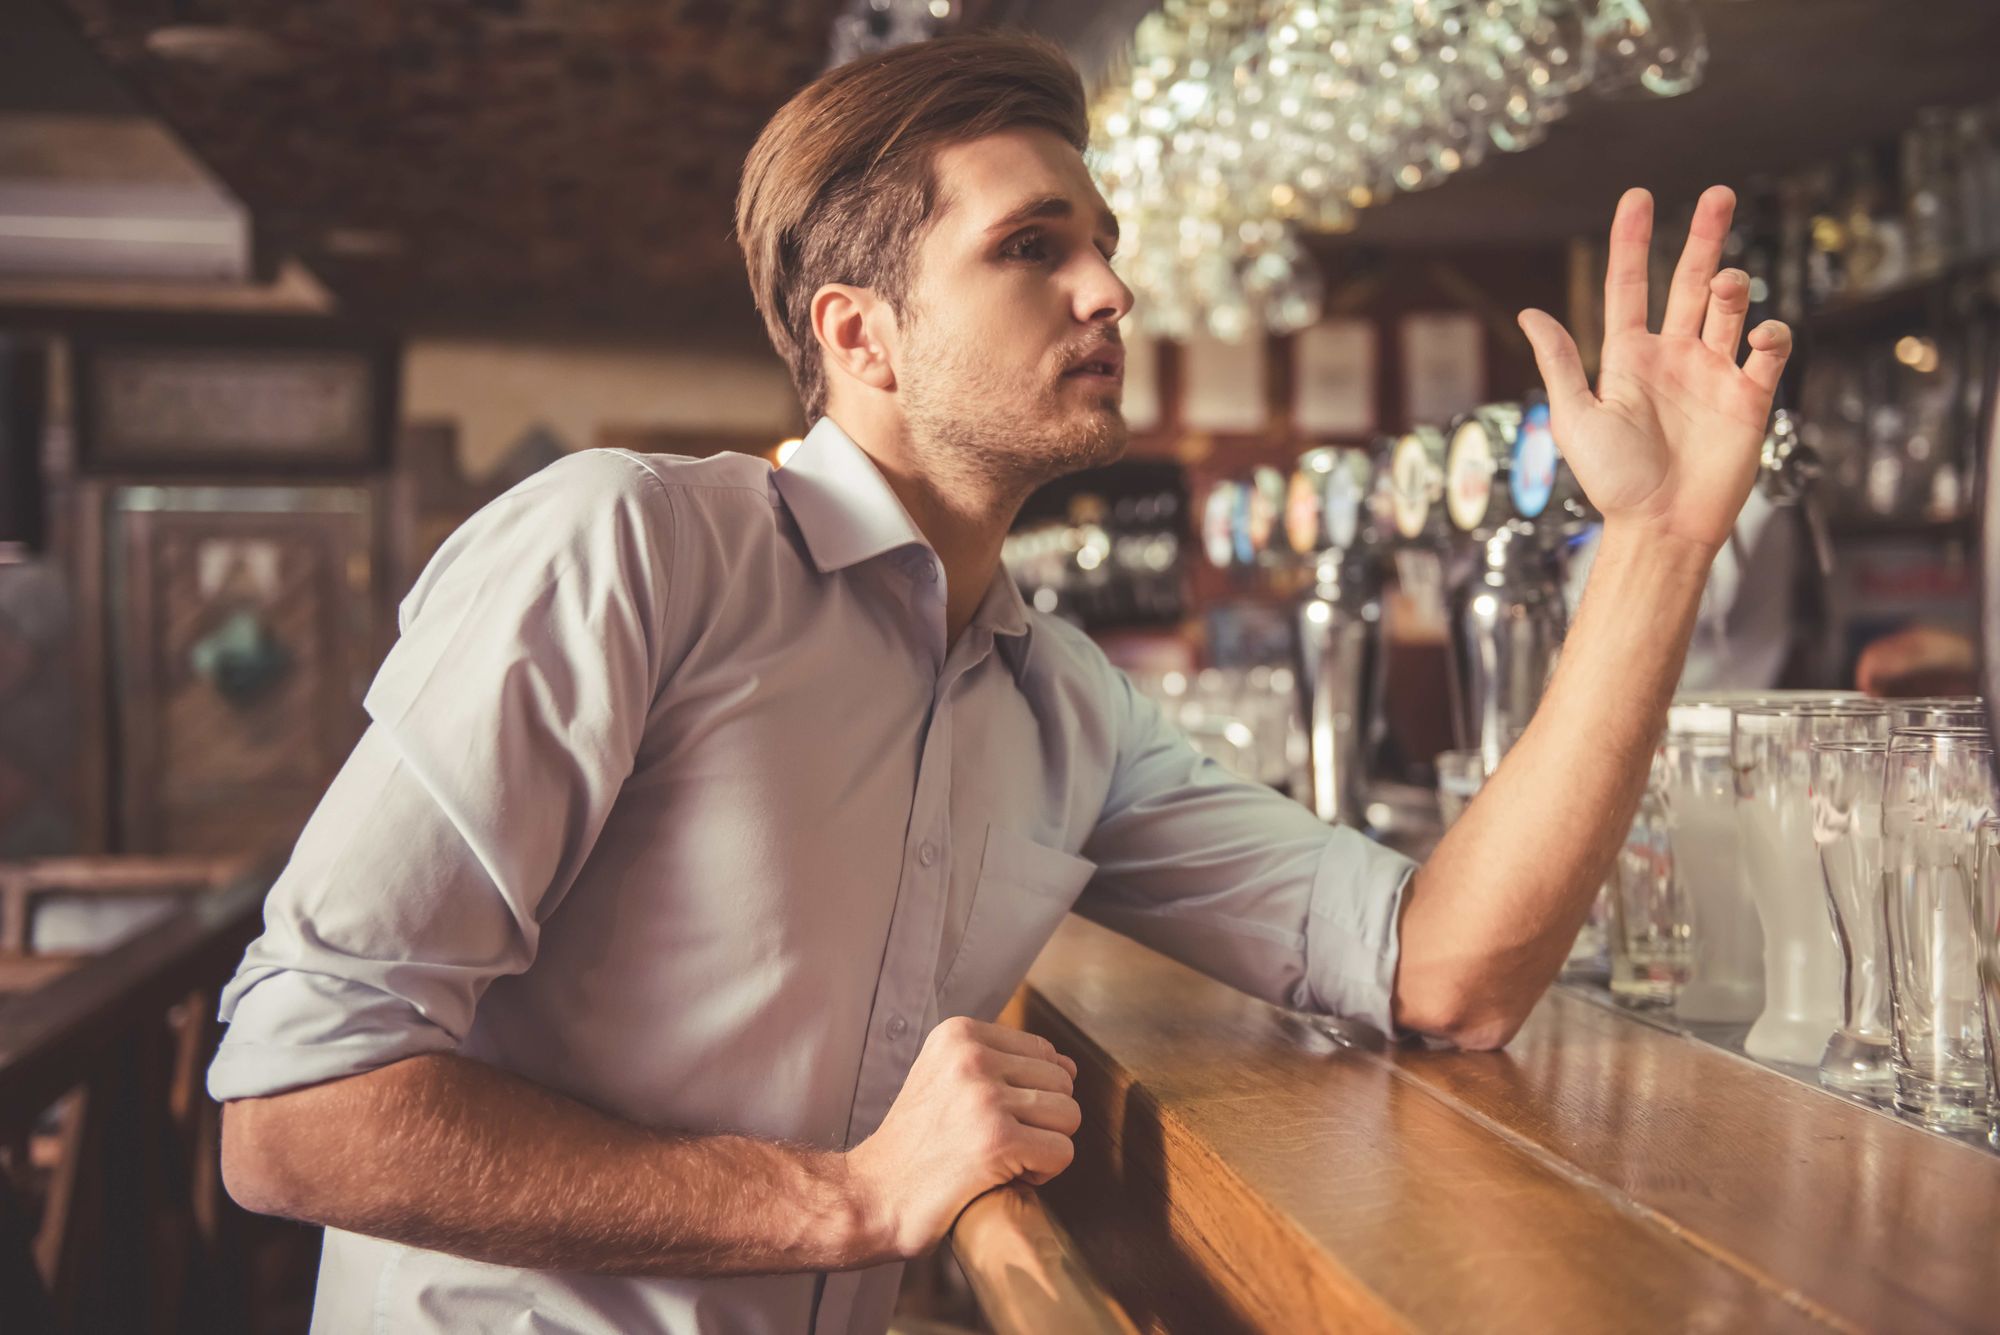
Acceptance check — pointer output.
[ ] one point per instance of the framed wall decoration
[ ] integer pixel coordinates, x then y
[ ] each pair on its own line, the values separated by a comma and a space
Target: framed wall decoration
216, 396
1444, 366
1334, 380
1223, 384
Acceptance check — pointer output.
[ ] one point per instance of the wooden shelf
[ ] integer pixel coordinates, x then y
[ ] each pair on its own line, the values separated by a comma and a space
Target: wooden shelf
1912, 300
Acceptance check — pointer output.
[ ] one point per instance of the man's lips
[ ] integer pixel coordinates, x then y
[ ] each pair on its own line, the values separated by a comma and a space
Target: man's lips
1106, 365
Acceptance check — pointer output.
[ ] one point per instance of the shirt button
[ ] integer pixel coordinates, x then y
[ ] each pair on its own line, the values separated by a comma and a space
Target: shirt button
930, 571
898, 1026
927, 854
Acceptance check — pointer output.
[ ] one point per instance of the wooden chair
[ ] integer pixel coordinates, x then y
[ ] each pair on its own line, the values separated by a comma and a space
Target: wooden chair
112, 1213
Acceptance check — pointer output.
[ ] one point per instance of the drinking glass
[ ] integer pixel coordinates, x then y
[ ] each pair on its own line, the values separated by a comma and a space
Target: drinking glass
1846, 788
1938, 789
1948, 711
1460, 775
1649, 920
1986, 911
1725, 979
1768, 752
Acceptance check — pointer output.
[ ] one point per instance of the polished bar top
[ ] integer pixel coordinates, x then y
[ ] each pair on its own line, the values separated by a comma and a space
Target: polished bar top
1243, 1168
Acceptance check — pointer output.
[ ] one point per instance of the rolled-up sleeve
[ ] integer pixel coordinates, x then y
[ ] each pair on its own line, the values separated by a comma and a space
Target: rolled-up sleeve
502, 726
1234, 879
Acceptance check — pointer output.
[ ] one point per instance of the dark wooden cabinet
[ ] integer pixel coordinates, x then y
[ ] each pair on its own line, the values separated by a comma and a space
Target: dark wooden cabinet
243, 625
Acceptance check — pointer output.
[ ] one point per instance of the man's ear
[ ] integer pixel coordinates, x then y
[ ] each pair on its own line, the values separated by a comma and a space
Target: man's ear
856, 332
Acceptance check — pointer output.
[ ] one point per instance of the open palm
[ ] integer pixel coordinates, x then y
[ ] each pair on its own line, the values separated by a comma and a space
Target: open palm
1670, 437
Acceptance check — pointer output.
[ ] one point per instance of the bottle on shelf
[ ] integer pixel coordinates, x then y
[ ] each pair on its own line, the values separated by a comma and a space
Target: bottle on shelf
1827, 257
1930, 215
1976, 151
1877, 245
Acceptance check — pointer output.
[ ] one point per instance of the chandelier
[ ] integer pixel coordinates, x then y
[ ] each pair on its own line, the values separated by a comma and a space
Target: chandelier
863, 27
1241, 123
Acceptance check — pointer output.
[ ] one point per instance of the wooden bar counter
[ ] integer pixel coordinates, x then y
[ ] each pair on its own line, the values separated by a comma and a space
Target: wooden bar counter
1242, 1168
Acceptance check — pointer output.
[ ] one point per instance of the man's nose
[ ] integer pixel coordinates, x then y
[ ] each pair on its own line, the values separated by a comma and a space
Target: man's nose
1103, 296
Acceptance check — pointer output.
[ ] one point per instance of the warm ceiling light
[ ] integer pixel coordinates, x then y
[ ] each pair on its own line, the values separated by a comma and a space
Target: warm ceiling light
221, 46
362, 243
1917, 353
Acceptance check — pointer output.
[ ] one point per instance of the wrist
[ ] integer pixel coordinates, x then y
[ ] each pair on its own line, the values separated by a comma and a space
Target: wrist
1652, 551
867, 1217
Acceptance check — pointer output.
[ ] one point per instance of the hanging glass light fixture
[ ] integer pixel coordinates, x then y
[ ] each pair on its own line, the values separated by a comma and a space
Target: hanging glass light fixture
1241, 122
866, 26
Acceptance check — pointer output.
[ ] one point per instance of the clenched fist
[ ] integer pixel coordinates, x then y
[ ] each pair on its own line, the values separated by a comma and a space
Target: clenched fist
983, 1106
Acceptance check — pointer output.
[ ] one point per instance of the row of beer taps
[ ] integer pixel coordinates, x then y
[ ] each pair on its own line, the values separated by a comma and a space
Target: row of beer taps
1487, 505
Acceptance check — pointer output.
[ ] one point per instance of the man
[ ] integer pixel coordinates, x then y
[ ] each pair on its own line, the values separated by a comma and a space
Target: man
635, 971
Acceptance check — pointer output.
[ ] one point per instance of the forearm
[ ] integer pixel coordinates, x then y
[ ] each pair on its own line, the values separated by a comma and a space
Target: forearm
452, 1155
1491, 915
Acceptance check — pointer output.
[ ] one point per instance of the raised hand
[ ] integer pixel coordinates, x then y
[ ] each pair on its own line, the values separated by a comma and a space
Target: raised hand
1669, 441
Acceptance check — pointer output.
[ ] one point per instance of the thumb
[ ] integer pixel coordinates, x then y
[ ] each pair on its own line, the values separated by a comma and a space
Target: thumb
1556, 358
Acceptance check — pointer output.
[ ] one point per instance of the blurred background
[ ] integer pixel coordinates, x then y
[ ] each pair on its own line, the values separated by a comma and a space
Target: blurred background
287, 291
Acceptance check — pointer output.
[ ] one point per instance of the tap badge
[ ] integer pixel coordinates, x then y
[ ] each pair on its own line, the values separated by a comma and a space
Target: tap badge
1532, 479
1266, 509
1468, 472
1217, 520
1410, 477
1346, 489
1302, 510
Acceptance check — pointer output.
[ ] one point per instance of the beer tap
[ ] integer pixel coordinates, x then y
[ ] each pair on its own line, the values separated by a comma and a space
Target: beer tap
1506, 492
1338, 626
1788, 471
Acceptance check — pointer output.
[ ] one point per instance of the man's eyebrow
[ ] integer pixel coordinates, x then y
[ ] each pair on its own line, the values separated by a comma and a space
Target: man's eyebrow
1052, 206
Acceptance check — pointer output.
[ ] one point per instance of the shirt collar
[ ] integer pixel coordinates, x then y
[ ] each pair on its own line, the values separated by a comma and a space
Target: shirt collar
1001, 610
841, 502
847, 514
1005, 617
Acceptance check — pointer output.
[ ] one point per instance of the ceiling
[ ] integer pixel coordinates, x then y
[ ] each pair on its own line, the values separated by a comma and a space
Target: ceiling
480, 164
1790, 83
538, 165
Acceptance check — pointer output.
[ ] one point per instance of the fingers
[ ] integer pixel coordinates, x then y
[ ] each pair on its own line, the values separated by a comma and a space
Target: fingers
1687, 298
1039, 1108
1034, 1073
1625, 264
1906, 653
1556, 357
1002, 1039
1728, 304
1770, 345
1044, 1154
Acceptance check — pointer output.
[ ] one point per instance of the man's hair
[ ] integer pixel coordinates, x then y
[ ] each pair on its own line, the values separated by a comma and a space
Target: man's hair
841, 186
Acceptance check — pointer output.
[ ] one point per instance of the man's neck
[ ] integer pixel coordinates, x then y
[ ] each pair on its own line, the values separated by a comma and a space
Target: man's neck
964, 518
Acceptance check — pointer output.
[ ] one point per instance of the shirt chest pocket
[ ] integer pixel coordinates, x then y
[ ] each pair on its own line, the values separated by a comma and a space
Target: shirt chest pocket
1023, 891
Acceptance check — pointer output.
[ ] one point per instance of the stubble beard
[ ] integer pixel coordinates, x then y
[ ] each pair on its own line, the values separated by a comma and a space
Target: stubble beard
971, 423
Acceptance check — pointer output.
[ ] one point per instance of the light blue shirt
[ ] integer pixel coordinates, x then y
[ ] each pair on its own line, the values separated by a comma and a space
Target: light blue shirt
675, 799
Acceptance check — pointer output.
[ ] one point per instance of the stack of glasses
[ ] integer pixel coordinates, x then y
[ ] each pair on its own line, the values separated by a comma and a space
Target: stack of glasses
1829, 868
1899, 827
1687, 931
1245, 719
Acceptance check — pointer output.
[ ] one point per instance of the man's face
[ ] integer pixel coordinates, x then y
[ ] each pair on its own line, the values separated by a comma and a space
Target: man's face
1010, 362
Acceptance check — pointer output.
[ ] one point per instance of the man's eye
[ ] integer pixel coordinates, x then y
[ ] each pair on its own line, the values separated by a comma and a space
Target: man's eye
1026, 246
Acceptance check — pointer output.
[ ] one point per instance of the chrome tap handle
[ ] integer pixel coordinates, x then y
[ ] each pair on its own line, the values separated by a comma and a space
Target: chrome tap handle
1822, 535
1788, 473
